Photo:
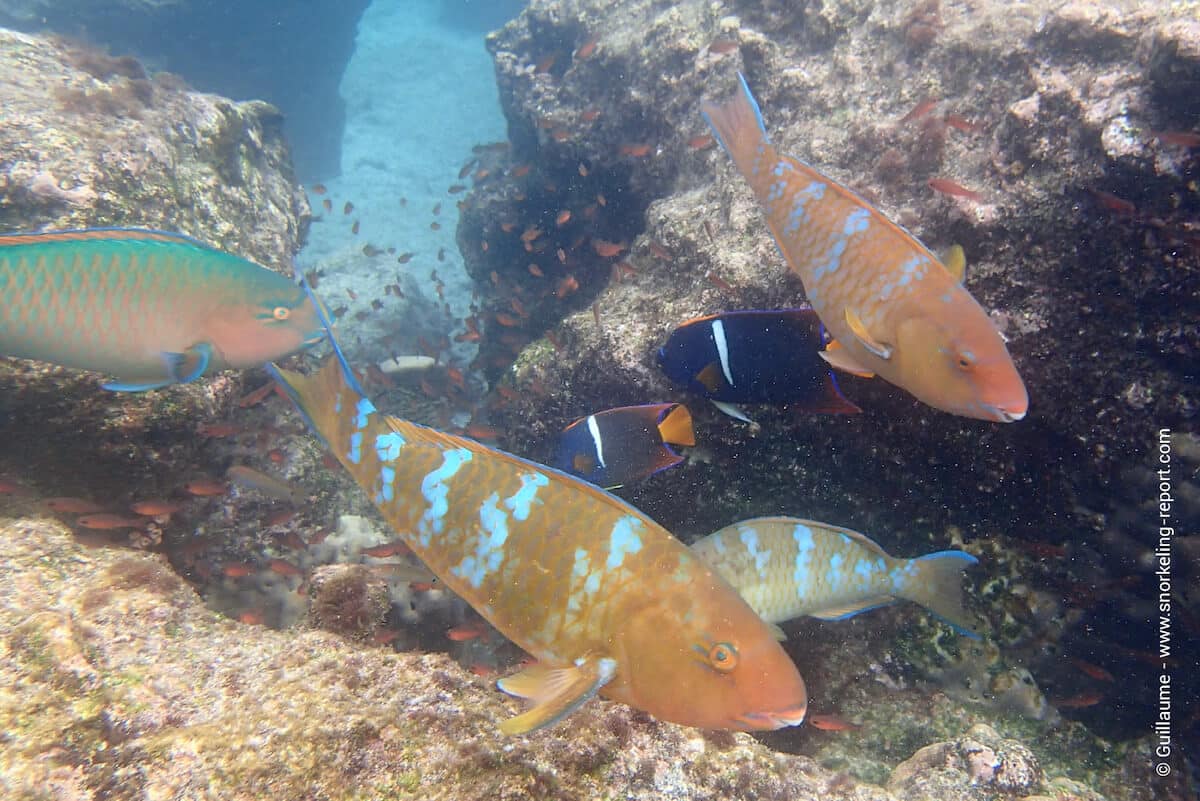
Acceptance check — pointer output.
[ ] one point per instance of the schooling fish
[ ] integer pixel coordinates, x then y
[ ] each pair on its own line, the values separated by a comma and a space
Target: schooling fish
149, 307
603, 597
785, 567
894, 309
617, 446
758, 356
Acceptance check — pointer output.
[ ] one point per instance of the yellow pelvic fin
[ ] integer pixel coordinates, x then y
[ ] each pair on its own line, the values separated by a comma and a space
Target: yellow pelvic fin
837, 358
710, 377
850, 609
676, 427
556, 692
956, 262
864, 336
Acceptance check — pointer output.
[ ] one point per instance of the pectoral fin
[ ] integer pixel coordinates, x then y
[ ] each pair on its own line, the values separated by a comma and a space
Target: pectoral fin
837, 358
181, 369
732, 410
556, 692
864, 336
956, 262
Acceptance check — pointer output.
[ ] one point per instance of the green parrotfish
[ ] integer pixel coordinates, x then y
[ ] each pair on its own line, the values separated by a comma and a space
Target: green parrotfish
149, 307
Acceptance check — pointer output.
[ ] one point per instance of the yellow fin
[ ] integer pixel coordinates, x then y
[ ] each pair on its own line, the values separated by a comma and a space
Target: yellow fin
710, 377
852, 609
864, 336
676, 427
556, 692
837, 358
776, 632
956, 262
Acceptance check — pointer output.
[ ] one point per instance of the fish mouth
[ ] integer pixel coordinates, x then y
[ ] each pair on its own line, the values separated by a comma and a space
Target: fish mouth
768, 721
1002, 415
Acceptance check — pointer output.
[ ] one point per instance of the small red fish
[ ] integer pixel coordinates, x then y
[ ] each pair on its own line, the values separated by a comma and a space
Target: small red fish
1095, 671
421, 586
104, 521
259, 395
521, 170
10, 487
607, 249
563, 218
393, 548
385, 636
536, 271
483, 670
1113, 203
219, 430
205, 487
722, 46
156, 508
566, 286
635, 150
239, 570
659, 252
318, 189
545, 64
1187, 139
587, 49
590, 115
481, 431
948, 187
831, 723
960, 123
467, 631
284, 568
919, 110
719, 282
252, 617
703, 142
1079, 701
73, 506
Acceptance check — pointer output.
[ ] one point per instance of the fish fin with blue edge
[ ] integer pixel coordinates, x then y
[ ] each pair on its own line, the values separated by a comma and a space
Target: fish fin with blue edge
556, 692
676, 427
852, 609
186, 367
839, 359
133, 386
732, 410
935, 582
956, 262
864, 336
738, 125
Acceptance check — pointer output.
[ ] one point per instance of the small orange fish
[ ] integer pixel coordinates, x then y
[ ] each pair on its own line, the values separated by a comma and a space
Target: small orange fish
703, 142
219, 430
562, 255
485, 671
318, 189
507, 392
205, 487
587, 49
1187, 139
104, 521
536, 271
385, 636
948, 187
259, 395
960, 123
920, 110
284, 568
566, 286
545, 64
481, 431
563, 218
590, 115
252, 617
421, 586
393, 548
1080, 701
467, 631
1095, 671
560, 134
582, 169
507, 320
635, 150
719, 282
606, 249
156, 508
73, 506
280, 517
659, 252
531, 233
435, 226
521, 170
239, 570
1113, 203
831, 723
602, 200
722, 46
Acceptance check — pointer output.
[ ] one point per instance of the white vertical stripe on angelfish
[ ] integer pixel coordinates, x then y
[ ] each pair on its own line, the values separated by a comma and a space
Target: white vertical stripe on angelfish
594, 430
718, 329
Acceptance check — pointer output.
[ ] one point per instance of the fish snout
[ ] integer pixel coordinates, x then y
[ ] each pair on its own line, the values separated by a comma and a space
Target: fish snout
769, 721
1002, 415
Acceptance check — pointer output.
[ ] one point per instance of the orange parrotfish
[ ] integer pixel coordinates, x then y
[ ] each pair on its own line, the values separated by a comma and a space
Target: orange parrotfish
894, 309
604, 598
149, 307
785, 567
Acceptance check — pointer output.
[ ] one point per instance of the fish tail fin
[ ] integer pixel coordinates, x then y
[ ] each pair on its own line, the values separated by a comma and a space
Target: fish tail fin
317, 396
935, 582
738, 126
676, 427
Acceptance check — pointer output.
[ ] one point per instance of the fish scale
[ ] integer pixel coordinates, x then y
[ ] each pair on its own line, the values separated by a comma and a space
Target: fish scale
578, 578
892, 306
127, 301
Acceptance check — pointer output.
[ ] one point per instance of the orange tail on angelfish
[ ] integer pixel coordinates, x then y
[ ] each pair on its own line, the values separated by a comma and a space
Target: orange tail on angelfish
894, 309
607, 600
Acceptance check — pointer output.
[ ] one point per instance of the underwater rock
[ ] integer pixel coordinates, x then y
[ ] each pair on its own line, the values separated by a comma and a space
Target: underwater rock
348, 600
982, 761
94, 140
292, 55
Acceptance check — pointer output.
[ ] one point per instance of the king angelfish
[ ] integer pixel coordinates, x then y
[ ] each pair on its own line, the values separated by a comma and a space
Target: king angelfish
148, 307
607, 600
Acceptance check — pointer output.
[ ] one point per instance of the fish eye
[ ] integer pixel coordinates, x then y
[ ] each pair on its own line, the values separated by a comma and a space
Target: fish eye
723, 657
281, 313
966, 360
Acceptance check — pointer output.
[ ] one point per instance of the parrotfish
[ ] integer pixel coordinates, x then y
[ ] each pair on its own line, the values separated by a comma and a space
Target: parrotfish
893, 308
607, 600
785, 567
617, 446
149, 307
756, 356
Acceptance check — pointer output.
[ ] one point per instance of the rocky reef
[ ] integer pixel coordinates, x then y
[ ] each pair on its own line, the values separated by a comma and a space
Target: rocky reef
115, 682
1072, 126
292, 55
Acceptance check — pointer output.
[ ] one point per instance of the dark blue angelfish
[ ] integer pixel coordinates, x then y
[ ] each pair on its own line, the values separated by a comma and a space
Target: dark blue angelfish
757, 356
617, 446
